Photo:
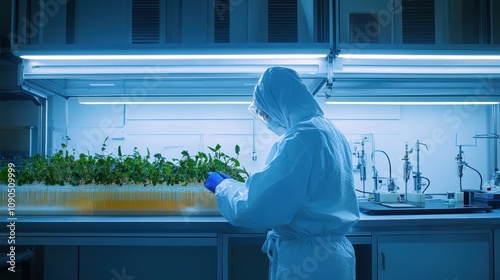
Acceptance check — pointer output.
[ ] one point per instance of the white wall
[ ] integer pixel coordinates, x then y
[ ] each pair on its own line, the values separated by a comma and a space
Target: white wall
170, 129
57, 122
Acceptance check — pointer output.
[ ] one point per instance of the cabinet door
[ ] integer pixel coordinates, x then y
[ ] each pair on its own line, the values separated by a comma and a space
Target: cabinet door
435, 256
147, 262
243, 258
497, 254
60, 262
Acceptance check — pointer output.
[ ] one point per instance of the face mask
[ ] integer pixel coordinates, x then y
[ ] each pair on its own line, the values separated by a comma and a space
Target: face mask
275, 127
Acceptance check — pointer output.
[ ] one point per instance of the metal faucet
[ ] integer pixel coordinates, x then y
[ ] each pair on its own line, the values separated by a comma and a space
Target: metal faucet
375, 172
417, 176
361, 165
460, 162
407, 167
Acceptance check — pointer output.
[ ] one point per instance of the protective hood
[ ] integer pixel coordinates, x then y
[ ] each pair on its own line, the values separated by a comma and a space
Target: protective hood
282, 95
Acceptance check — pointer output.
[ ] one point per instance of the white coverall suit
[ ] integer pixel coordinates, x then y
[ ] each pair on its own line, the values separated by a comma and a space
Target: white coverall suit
305, 194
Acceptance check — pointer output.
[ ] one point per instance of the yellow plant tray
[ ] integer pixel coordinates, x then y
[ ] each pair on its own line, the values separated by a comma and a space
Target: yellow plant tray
118, 200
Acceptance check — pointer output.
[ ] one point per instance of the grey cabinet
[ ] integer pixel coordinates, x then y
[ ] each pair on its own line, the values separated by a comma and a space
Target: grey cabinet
147, 262
434, 255
187, 257
496, 249
243, 258
450, 247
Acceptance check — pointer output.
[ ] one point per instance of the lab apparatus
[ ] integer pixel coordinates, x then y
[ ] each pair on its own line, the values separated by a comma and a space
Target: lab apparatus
386, 189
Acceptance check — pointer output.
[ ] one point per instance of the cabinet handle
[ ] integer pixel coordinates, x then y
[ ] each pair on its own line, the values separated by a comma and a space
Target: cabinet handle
383, 260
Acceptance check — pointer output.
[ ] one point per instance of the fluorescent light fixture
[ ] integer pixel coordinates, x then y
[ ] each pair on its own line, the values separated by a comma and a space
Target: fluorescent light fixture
419, 56
407, 100
173, 57
378, 65
118, 102
101, 85
158, 71
409, 103
124, 100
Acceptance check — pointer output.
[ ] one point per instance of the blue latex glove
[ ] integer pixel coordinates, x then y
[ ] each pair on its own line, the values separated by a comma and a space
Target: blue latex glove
214, 179
223, 175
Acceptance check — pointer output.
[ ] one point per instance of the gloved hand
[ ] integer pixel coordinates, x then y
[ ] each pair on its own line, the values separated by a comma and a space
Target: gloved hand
224, 175
214, 179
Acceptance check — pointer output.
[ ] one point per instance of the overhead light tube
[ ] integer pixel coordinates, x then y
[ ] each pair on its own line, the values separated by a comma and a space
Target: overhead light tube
409, 100
173, 57
410, 103
419, 56
164, 101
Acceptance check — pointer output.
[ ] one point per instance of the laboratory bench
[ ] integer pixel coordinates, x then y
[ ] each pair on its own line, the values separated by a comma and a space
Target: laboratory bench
441, 246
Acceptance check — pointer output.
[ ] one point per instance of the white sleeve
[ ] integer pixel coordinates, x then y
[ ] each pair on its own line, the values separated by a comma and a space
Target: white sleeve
272, 197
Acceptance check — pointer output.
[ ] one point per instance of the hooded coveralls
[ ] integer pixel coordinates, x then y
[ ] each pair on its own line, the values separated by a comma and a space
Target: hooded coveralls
305, 194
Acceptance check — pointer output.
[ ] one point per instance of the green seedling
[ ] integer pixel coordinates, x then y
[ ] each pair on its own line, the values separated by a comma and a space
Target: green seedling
66, 168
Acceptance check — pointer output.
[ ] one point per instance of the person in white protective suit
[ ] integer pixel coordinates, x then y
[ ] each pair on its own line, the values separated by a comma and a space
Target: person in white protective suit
305, 194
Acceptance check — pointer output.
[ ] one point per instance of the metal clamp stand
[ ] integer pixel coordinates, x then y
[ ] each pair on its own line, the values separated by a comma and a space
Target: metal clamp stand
361, 165
417, 176
407, 167
460, 159
495, 177
375, 172
470, 193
